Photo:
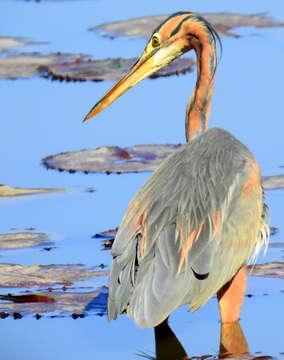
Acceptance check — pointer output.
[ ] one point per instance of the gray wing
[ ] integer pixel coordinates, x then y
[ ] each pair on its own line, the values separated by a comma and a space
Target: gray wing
194, 223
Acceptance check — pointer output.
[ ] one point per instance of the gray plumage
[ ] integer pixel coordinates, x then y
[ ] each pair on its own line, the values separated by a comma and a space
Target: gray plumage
195, 222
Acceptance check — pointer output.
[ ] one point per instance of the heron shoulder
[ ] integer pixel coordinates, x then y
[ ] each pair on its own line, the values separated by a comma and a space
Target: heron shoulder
196, 179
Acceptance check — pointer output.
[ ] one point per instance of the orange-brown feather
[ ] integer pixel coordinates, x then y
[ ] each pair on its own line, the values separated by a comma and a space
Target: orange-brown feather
217, 222
185, 248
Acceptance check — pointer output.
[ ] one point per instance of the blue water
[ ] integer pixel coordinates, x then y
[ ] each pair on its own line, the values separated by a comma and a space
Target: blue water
40, 117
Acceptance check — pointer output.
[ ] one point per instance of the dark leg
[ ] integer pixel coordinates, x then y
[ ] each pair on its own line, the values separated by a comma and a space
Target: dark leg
168, 346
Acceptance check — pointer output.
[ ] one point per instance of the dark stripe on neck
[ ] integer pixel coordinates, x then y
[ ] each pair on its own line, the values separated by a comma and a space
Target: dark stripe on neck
170, 17
178, 27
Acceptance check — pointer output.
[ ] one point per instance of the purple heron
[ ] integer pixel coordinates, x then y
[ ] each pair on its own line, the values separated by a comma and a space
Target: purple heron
191, 229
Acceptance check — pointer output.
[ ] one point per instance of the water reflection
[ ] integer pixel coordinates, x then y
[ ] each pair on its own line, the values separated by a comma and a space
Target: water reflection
233, 344
167, 344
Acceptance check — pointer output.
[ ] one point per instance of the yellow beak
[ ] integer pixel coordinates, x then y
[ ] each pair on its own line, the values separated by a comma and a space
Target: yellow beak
143, 68
147, 65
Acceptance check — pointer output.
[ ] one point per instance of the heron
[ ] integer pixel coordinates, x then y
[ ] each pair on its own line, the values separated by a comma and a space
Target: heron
190, 231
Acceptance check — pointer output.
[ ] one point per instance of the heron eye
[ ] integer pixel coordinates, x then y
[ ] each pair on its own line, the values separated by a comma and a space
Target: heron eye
155, 41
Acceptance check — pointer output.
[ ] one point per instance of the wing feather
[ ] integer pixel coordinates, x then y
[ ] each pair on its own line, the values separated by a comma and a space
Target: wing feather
190, 228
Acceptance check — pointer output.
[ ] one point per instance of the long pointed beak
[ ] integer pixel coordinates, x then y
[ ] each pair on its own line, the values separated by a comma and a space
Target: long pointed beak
143, 68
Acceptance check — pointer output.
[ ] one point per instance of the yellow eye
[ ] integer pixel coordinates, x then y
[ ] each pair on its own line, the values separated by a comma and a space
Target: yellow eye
155, 41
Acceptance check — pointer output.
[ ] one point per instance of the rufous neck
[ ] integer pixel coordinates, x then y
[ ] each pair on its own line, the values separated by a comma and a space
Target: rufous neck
198, 107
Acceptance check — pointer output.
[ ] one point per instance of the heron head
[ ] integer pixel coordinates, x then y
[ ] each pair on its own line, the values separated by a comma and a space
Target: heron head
176, 35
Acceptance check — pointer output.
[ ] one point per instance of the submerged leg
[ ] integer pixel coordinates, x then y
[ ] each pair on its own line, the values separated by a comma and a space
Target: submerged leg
231, 296
232, 340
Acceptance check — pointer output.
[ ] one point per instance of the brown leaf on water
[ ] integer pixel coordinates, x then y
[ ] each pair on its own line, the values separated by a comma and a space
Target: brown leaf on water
6, 190
273, 269
109, 159
144, 26
107, 69
28, 298
23, 239
19, 276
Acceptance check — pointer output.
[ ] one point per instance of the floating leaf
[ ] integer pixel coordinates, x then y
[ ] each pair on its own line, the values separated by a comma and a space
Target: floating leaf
28, 298
107, 238
144, 26
113, 159
273, 182
19, 276
6, 190
7, 42
23, 239
108, 234
272, 270
27, 65
75, 304
107, 69
109, 159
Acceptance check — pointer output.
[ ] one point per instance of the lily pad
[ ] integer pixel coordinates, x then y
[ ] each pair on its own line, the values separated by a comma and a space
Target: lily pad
106, 237
113, 159
23, 239
144, 26
107, 69
273, 182
64, 303
6, 190
7, 42
19, 276
27, 65
109, 159
273, 269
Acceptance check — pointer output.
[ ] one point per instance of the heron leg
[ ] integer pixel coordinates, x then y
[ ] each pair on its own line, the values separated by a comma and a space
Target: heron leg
232, 340
231, 296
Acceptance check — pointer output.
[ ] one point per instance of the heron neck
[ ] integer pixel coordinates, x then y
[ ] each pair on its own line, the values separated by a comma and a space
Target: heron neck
198, 108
